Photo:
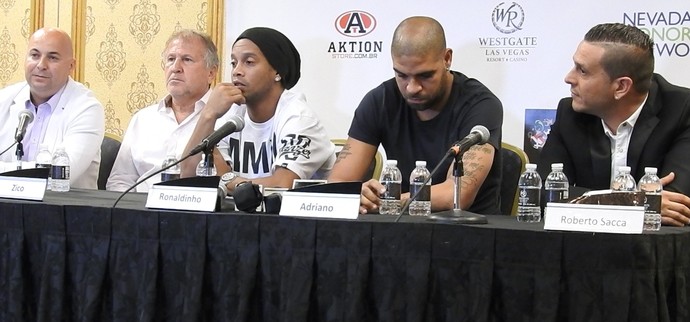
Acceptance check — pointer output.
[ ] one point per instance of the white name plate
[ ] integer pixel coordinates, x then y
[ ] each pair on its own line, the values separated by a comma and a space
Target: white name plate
320, 205
22, 188
182, 198
594, 218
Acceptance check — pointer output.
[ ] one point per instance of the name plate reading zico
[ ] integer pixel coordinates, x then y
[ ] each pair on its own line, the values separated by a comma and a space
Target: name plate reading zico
182, 198
320, 205
22, 188
594, 218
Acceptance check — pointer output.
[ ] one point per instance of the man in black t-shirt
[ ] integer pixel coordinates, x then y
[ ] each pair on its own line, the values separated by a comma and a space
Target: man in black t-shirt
418, 115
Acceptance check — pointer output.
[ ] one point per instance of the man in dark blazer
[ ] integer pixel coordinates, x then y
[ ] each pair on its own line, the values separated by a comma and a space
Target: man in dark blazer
621, 113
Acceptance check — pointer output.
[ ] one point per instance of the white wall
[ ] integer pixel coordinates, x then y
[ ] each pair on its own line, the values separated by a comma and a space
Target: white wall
334, 86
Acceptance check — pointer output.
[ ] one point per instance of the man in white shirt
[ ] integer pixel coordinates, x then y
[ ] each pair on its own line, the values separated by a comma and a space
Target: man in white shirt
190, 61
282, 139
65, 112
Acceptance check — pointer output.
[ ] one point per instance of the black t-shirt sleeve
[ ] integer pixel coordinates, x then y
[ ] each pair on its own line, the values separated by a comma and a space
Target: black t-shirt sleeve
366, 123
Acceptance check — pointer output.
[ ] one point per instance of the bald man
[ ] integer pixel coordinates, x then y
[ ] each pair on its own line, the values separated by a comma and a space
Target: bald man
65, 112
418, 115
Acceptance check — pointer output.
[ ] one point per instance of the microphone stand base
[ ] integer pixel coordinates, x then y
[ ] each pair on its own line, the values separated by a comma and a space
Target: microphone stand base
457, 216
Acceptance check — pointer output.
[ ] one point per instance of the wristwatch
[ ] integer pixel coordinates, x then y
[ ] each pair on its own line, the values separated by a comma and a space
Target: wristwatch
227, 178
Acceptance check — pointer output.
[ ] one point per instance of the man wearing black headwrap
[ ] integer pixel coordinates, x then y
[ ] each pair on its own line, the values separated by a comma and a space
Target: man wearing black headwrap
282, 139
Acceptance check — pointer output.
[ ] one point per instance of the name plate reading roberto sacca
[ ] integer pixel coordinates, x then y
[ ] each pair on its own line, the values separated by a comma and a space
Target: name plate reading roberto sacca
174, 195
333, 200
594, 218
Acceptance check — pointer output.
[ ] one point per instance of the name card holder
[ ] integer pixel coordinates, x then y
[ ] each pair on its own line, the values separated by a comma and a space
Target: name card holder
333, 200
27, 184
594, 218
197, 194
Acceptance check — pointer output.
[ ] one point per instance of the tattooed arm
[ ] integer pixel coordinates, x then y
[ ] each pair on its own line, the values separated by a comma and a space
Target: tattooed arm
351, 165
476, 166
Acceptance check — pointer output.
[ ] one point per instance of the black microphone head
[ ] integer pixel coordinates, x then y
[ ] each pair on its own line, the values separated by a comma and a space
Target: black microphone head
483, 133
247, 196
26, 114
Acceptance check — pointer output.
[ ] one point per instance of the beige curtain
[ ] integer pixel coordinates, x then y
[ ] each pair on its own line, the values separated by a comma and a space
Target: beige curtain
117, 44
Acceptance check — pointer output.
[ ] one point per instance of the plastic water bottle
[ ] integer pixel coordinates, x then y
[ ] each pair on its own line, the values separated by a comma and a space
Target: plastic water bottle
60, 170
651, 185
421, 205
172, 173
205, 167
529, 199
44, 159
556, 184
390, 179
623, 181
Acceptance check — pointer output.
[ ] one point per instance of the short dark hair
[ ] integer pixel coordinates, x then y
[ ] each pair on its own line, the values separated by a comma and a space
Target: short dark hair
628, 52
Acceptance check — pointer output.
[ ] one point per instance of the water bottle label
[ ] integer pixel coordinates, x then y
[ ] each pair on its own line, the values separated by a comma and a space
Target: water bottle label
556, 195
43, 165
392, 191
529, 197
652, 203
169, 176
59, 172
424, 195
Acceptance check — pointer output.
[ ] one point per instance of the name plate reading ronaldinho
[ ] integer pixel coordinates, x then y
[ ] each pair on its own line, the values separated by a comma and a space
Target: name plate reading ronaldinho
23, 188
320, 205
594, 218
182, 198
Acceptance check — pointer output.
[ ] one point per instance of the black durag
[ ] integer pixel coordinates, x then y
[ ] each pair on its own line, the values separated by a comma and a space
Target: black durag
278, 50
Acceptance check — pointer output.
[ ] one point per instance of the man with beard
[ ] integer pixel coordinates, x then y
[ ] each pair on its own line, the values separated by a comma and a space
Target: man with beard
282, 139
418, 115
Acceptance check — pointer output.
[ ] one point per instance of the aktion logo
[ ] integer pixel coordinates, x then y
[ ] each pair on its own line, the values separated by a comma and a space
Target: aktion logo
355, 23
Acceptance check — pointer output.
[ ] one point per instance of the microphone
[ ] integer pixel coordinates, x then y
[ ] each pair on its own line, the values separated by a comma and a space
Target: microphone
235, 124
25, 117
478, 135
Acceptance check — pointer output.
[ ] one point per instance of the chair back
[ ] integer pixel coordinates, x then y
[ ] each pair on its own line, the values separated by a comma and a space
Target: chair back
375, 167
109, 149
514, 161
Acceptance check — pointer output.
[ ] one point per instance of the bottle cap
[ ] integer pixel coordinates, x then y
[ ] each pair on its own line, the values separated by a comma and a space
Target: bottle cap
624, 169
531, 166
392, 163
556, 166
650, 170
420, 163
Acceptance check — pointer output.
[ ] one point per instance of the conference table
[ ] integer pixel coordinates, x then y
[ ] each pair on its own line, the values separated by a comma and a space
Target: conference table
73, 257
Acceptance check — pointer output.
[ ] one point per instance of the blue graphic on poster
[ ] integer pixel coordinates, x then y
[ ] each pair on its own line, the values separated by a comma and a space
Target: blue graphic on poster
537, 128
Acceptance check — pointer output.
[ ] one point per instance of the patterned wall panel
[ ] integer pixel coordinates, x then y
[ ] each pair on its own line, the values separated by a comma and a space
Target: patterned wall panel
15, 29
123, 44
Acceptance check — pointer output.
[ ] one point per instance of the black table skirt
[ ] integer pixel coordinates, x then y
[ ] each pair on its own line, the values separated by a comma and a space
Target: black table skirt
74, 258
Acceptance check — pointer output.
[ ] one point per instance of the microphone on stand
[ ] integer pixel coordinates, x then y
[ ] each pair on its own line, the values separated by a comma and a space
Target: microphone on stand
25, 118
478, 135
233, 125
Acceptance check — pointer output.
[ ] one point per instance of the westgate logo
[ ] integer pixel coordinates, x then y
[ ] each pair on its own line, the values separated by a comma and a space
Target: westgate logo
513, 46
355, 23
508, 17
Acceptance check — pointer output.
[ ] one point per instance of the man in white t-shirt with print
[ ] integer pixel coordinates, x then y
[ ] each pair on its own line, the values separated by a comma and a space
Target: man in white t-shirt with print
282, 139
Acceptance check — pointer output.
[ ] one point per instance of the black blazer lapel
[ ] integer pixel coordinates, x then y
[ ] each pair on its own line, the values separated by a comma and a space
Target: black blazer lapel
644, 126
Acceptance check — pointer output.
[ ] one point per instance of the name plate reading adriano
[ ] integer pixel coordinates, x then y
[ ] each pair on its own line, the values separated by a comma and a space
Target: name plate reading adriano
594, 218
320, 205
